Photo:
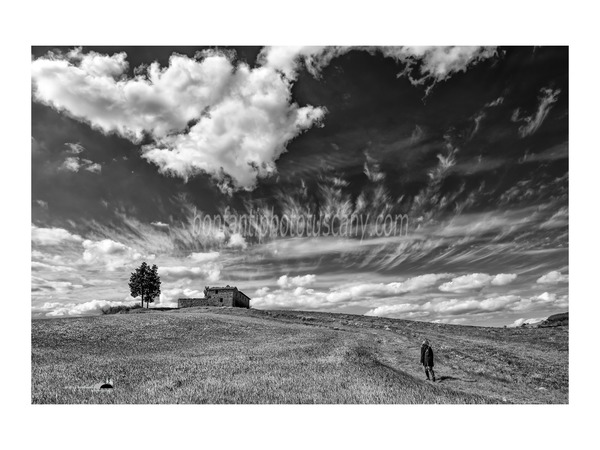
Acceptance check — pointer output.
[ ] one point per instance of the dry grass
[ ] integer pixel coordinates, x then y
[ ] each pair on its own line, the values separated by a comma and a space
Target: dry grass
224, 355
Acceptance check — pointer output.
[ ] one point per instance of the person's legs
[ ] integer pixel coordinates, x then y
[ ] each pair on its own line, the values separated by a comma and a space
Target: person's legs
426, 372
432, 373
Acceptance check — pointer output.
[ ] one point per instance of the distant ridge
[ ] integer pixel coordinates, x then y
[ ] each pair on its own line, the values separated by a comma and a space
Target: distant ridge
556, 320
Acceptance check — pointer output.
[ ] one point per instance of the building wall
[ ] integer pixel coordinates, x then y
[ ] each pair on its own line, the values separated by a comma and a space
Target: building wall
217, 297
211, 301
240, 300
222, 297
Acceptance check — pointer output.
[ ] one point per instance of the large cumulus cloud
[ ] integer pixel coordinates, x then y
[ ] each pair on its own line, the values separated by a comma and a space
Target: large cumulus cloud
203, 114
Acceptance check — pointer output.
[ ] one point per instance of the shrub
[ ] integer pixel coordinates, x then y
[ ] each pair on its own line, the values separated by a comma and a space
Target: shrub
119, 309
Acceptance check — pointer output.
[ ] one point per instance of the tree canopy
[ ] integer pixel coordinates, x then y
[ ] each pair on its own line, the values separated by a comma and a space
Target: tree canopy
145, 282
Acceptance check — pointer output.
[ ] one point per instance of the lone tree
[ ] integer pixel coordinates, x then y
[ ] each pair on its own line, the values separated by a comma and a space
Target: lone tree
145, 282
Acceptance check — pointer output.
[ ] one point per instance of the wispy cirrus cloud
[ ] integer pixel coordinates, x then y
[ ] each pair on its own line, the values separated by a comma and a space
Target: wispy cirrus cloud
547, 98
56, 286
207, 272
204, 257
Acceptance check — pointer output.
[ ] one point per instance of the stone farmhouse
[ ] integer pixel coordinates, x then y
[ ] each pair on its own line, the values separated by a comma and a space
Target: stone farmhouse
218, 296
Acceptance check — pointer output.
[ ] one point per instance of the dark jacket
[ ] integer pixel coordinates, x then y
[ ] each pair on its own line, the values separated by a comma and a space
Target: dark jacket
426, 355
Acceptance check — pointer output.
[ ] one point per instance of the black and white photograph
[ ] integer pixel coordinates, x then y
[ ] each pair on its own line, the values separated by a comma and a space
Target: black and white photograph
235, 229
300, 224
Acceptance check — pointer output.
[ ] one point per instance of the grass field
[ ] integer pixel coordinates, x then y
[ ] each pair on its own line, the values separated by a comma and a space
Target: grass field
226, 355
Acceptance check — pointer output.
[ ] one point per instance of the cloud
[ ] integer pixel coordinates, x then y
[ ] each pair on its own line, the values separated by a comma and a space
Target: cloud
480, 115
40, 266
465, 306
292, 292
417, 134
496, 102
558, 220
466, 282
169, 297
209, 114
160, 225
476, 281
503, 278
388, 310
52, 236
419, 282
204, 257
71, 164
74, 164
372, 170
209, 273
542, 301
74, 148
53, 309
236, 240
477, 120
92, 167
426, 65
369, 290
546, 98
261, 292
285, 282
58, 286
448, 307
204, 114
437, 63
546, 297
295, 299
521, 321
553, 277
443, 309
112, 255
287, 58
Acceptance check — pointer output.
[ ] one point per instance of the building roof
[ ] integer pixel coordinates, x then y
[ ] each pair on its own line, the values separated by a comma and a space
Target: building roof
227, 288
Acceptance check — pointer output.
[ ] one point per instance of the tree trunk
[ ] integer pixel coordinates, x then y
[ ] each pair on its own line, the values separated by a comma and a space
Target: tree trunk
142, 299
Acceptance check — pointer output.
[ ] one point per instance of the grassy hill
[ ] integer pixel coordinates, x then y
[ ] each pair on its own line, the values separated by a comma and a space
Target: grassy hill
227, 355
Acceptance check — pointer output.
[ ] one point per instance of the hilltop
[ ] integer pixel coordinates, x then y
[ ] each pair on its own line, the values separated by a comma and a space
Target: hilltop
233, 355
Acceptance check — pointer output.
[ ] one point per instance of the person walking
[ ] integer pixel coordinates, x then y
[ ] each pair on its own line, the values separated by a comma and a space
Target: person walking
427, 359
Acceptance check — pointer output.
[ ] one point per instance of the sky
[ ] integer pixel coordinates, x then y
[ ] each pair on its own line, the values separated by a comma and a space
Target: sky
136, 151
